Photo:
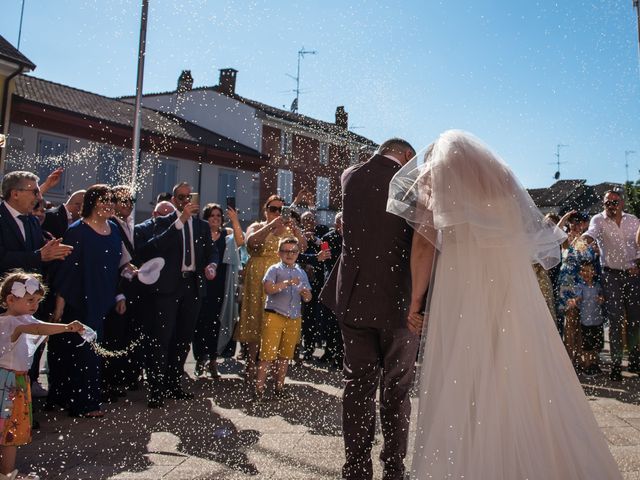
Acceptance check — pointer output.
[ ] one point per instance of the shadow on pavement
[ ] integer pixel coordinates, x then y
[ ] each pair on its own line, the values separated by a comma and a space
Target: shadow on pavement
204, 434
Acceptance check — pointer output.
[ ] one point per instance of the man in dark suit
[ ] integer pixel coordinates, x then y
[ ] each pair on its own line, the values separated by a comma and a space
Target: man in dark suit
21, 241
58, 219
369, 290
184, 241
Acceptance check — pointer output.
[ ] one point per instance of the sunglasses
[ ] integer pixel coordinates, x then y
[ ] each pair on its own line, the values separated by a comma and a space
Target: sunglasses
609, 203
183, 197
35, 191
274, 209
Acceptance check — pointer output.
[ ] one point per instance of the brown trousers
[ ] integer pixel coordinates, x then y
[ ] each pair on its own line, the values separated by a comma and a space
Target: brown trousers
376, 357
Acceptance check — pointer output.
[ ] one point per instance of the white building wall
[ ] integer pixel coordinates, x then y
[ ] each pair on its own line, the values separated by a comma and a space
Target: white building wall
213, 111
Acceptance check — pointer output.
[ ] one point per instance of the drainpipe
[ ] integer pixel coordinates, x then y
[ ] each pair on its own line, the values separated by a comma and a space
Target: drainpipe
3, 110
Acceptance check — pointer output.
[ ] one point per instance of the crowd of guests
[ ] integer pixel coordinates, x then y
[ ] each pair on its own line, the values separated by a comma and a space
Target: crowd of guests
193, 279
143, 295
596, 284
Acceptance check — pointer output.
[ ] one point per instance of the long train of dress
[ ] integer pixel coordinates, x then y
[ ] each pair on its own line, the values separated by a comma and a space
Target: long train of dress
499, 399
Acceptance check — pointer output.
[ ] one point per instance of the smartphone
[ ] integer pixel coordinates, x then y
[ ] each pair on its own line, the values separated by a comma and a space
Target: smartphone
195, 198
324, 246
286, 212
231, 202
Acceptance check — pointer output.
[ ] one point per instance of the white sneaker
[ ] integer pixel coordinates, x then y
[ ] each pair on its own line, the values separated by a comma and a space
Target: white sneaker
38, 391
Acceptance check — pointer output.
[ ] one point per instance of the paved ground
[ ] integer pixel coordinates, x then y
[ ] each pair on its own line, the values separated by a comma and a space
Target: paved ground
219, 436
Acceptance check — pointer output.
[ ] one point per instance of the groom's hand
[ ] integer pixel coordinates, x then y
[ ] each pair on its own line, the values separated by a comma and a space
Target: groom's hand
414, 322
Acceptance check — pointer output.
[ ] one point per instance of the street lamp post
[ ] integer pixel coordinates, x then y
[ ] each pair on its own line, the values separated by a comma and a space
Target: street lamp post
137, 119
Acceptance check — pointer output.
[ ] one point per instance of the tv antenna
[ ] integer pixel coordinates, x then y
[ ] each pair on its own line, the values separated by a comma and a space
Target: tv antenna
301, 53
626, 161
558, 162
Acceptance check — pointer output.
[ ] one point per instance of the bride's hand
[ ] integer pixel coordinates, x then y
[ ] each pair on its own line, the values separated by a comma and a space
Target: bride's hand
415, 321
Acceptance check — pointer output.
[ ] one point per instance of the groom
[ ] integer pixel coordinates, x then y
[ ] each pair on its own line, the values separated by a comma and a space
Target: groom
369, 291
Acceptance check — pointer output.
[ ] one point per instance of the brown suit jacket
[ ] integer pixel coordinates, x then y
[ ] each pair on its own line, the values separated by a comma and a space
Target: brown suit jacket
370, 286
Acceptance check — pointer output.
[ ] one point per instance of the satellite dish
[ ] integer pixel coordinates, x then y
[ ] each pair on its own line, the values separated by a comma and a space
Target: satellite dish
557, 175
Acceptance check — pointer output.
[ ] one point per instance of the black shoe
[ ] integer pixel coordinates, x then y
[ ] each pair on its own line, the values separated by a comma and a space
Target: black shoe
201, 368
180, 395
155, 404
616, 374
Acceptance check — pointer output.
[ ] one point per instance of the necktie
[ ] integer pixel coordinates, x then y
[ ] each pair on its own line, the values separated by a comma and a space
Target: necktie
28, 234
187, 244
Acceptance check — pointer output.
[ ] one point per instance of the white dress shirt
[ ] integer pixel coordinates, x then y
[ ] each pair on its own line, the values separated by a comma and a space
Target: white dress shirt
617, 244
179, 225
15, 214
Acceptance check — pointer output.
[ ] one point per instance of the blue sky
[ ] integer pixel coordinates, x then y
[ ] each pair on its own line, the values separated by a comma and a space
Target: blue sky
523, 76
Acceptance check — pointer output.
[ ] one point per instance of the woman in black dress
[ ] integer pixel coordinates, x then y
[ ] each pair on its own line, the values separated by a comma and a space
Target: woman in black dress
205, 339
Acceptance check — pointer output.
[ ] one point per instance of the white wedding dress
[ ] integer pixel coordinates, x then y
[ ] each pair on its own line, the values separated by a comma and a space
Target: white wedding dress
498, 396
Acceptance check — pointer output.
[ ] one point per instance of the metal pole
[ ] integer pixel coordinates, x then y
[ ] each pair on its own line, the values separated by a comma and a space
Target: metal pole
626, 161
636, 5
298, 80
20, 29
135, 152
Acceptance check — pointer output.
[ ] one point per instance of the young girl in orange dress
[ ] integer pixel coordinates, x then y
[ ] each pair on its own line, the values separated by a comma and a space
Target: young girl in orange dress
20, 335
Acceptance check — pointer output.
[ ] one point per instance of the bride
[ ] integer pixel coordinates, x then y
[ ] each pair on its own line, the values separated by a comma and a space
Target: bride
498, 396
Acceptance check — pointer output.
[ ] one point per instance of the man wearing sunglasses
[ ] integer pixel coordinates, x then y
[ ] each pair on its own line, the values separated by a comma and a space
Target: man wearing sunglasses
614, 231
184, 241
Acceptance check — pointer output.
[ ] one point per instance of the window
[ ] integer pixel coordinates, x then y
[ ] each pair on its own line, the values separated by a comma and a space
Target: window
165, 176
255, 196
111, 168
227, 181
285, 143
324, 153
52, 153
355, 156
322, 192
285, 185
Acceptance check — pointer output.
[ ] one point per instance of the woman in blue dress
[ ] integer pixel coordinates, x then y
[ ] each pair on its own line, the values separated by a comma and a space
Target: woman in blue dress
86, 286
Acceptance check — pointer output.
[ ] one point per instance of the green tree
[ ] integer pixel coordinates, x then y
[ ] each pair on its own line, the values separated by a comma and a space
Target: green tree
632, 197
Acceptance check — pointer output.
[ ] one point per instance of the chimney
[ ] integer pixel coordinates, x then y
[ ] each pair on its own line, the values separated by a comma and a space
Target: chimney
227, 83
342, 118
185, 81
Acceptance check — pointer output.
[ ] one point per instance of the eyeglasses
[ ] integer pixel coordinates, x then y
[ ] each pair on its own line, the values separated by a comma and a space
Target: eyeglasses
293, 251
274, 209
35, 191
108, 199
609, 203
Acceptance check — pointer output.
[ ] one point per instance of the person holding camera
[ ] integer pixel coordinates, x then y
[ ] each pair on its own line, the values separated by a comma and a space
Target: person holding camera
184, 241
262, 245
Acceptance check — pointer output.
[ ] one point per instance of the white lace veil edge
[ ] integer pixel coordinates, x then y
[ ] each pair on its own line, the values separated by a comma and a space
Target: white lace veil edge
459, 182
